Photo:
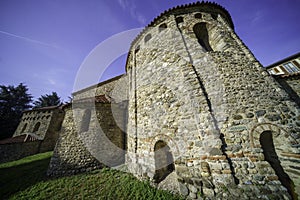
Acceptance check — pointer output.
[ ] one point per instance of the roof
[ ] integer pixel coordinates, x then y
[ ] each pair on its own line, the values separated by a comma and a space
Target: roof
97, 85
43, 108
18, 139
284, 60
201, 6
287, 75
96, 99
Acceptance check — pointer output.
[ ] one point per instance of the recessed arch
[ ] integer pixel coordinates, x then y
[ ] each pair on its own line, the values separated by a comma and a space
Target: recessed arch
147, 38
267, 144
201, 33
214, 16
164, 161
85, 123
137, 49
162, 27
198, 16
36, 127
179, 20
24, 128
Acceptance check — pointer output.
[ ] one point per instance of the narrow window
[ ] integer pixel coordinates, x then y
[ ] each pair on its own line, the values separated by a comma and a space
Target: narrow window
147, 38
137, 49
179, 20
198, 16
36, 127
214, 16
283, 69
296, 63
276, 70
164, 163
266, 141
162, 27
290, 67
201, 33
85, 123
24, 128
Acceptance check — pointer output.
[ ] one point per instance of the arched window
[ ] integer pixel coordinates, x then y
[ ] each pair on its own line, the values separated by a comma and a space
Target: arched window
164, 163
85, 123
137, 49
201, 33
214, 16
266, 141
147, 38
36, 127
24, 128
179, 20
198, 16
162, 27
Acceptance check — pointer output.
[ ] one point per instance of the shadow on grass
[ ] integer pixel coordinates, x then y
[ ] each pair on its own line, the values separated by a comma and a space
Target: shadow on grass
17, 178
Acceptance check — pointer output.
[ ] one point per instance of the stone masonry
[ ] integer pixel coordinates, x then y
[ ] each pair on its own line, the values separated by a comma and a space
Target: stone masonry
196, 114
92, 134
36, 133
230, 129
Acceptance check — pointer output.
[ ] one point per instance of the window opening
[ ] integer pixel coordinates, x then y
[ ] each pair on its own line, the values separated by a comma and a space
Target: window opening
214, 16
201, 33
179, 20
36, 127
290, 67
162, 27
24, 128
147, 38
198, 16
85, 123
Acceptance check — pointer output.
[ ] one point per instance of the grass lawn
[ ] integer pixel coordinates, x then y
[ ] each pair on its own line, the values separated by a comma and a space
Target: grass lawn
26, 179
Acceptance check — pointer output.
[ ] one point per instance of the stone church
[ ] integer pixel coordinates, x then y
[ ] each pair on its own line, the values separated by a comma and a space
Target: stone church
196, 113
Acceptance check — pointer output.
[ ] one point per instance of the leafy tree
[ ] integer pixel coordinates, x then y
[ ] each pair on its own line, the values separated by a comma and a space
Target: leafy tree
47, 100
13, 101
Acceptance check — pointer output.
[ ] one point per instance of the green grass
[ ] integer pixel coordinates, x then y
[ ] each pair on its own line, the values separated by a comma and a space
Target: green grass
18, 175
29, 178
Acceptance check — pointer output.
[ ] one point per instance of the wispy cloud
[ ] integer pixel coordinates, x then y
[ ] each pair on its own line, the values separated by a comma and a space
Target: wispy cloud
28, 39
130, 5
257, 16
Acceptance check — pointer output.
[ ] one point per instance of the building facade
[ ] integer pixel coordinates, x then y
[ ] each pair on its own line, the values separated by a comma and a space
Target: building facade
196, 114
36, 133
287, 74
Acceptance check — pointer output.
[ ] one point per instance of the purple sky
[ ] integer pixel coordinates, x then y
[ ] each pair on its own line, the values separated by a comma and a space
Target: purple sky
44, 42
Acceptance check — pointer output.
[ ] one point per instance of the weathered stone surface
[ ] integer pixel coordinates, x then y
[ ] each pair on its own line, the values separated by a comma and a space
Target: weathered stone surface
197, 89
184, 191
215, 96
171, 183
39, 129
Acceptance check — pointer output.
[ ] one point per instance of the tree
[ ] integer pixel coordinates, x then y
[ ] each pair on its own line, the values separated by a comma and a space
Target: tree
13, 101
47, 100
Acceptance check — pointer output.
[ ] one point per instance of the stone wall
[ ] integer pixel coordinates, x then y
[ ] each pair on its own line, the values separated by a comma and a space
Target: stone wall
213, 104
105, 87
91, 137
36, 133
15, 151
40, 121
291, 84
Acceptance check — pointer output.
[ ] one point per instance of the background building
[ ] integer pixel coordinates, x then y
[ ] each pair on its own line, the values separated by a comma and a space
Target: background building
287, 73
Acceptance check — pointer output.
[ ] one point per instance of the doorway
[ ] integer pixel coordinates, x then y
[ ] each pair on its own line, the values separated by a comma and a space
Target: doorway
164, 162
266, 141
